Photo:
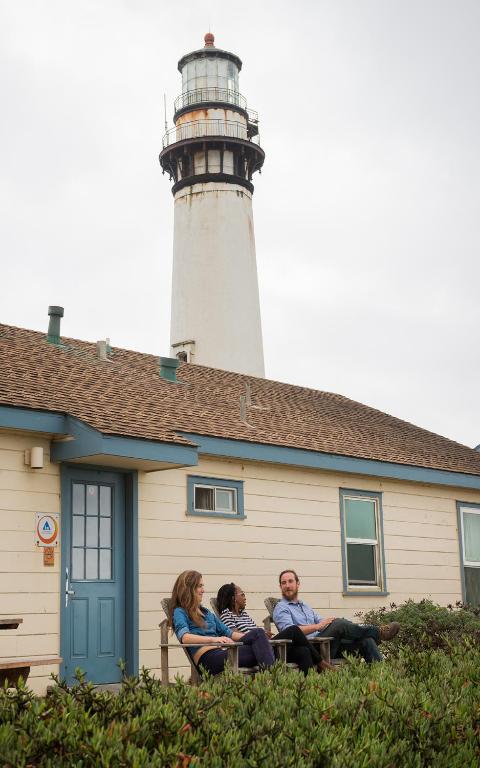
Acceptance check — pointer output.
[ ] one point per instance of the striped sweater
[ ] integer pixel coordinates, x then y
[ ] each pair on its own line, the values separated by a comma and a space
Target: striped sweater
238, 622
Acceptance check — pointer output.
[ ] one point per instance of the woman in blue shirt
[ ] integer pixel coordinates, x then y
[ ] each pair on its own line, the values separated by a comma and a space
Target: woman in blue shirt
192, 623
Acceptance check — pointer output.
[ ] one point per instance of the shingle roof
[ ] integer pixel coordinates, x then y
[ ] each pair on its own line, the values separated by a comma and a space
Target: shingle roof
128, 397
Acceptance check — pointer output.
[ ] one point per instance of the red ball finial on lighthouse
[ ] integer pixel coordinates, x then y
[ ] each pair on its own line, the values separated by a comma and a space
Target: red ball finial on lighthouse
209, 40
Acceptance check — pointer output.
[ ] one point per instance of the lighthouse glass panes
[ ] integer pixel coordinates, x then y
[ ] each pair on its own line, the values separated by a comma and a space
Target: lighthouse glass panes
209, 73
91, 532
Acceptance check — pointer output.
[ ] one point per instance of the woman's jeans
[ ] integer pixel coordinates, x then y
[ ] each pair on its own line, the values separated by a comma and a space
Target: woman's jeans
255, 651
299, 651
349, 636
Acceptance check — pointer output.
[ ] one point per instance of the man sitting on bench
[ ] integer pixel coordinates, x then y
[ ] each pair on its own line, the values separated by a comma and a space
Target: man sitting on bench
347, 635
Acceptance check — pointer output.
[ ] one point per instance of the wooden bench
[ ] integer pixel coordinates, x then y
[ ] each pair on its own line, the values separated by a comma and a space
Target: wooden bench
11, 670
8, 623
14, 669
322, 642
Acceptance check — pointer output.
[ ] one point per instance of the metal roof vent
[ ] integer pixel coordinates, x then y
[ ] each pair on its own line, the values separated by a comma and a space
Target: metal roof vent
103, 349
53, 333
168, 368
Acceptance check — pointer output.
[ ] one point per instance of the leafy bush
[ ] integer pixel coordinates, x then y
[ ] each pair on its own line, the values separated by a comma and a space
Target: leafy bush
428, 625
420, 709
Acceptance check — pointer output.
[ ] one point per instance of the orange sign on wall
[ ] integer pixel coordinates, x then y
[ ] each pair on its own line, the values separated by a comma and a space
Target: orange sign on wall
46, 530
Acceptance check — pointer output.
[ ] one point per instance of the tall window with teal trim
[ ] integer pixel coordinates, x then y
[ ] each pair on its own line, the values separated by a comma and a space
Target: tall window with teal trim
470, 533
215, 497
361, 514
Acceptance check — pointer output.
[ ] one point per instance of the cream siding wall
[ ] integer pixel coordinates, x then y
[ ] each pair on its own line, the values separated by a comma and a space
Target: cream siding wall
28, 588
293, 520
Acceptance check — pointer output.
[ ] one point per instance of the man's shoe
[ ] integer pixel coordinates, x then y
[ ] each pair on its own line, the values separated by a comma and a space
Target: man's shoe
387, 631
324, 666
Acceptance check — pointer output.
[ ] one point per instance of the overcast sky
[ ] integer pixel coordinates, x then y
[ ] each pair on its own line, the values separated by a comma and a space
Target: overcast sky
366, 213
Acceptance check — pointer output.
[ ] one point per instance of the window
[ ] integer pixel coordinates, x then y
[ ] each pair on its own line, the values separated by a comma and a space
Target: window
91, 532
214, 497
362, 542
469, 528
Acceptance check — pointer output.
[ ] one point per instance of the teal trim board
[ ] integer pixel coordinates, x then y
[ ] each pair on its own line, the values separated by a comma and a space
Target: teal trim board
31, 420
131, 573
298, 457
89, 442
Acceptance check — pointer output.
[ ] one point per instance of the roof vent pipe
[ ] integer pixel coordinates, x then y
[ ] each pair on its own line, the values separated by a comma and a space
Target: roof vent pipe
53, 334
102, 353
168, 368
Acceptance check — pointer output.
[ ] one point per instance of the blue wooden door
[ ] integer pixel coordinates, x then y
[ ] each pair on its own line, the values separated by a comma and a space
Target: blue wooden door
93, 600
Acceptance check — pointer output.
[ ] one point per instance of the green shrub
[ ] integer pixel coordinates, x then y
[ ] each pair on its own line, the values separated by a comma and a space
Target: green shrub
420, 709
428, 625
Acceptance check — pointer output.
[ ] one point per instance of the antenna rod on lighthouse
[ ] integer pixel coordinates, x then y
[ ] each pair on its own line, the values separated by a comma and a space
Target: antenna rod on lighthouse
165, 110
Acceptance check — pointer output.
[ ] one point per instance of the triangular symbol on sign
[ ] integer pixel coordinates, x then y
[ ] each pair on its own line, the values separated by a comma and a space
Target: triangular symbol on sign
46, 526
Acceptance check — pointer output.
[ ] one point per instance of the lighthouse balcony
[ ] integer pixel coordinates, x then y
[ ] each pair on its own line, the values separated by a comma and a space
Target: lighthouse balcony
210, 96
202, 129
216, 97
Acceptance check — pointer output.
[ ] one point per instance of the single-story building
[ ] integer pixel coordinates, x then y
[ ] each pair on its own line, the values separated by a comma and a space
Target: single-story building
144, 470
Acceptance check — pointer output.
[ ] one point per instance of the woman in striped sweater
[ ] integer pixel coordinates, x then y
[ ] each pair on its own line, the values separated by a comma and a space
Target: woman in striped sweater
231, 602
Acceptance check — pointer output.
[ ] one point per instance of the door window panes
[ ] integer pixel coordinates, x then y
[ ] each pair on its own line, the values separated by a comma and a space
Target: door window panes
91, 563
105, 564
78, 531
78, 499
105, 532
92, 534
78, 563
105, 501
92, 500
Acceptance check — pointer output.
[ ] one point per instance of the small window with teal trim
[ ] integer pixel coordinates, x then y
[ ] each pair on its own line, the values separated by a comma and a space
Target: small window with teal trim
215, 497
362, 542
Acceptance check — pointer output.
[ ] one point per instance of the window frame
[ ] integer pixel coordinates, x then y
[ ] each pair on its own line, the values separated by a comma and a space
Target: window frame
194, 481
380, 588
470, 507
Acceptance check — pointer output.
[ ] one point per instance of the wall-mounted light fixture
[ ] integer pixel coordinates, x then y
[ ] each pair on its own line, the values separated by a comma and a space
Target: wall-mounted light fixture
34, 457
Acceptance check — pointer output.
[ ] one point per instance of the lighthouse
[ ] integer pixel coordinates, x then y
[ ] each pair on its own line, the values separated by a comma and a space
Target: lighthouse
211, 155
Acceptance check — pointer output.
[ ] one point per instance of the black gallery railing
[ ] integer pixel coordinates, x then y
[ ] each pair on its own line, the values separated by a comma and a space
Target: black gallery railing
225, 95
197, 129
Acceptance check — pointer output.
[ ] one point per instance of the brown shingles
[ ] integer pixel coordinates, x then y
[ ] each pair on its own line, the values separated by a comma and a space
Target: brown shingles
128, 397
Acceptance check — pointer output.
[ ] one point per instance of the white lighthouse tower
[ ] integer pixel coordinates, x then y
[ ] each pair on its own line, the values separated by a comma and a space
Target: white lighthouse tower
211, 155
